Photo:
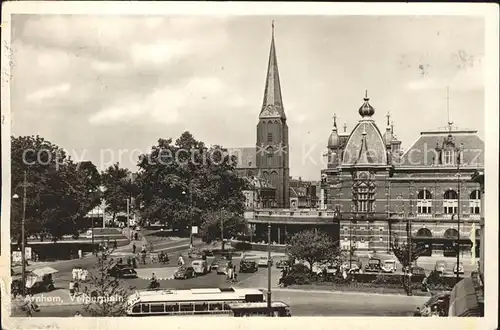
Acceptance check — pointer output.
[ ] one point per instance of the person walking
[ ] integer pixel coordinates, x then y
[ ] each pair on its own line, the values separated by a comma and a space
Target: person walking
134, 248
115, 244
72, 288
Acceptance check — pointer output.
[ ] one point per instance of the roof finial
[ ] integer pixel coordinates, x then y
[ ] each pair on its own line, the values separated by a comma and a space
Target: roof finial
366, 95
335, 120
388, 116
345, 127
272, 26
392, 127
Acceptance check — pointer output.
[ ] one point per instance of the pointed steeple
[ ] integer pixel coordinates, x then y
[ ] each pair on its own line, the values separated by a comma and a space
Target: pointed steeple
272, 106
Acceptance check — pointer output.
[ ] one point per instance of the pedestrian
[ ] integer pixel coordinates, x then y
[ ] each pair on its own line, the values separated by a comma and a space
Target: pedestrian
133, 248
74, 273
115, 244
136, 236
71, 288
129, 262
417, 312
80, 254
235, 274
134, 263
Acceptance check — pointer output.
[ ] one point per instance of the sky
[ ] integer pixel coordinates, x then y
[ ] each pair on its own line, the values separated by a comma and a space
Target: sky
106, 88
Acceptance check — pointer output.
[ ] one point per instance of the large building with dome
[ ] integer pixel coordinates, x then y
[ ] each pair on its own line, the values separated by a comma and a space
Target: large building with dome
372, 194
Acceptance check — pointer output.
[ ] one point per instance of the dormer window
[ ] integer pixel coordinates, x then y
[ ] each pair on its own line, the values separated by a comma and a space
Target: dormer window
269, 137
448, 157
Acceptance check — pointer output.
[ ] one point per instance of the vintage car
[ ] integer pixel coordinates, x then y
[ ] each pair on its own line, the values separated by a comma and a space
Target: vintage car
184, 273
248, 266
440, 266
264, 261
388, 266
373, 266
458, 269
223, 267
353, 265
200, 266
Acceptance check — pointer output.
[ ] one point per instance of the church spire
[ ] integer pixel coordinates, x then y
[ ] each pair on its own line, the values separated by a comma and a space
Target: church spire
272, 106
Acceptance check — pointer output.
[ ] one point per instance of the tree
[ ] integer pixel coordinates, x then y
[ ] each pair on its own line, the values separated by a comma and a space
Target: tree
106, 295
312, 246
179, 181
233, 225
118, 188
401, 251
56, 198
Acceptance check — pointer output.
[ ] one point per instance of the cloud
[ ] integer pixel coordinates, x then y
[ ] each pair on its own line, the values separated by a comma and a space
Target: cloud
49, 92
164, 104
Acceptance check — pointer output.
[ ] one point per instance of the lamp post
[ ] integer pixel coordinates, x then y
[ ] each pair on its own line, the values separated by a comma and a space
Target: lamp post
408, 233
269, 265
92, 221
23, 247
222, 229
190, 215
458, 214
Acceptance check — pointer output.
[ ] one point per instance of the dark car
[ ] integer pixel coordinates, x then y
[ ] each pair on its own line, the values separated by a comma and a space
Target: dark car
215, 264
184, 273
122, 271
248, 266
373, 266
207, 252
418, 271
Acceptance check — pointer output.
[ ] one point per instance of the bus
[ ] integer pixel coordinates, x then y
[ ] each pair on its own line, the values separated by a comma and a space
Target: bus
278, 309
210, 301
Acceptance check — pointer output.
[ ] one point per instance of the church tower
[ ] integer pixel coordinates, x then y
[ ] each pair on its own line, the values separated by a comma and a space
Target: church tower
272, 158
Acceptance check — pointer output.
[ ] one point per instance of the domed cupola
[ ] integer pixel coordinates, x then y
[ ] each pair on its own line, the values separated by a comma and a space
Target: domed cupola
334, 140
366, 109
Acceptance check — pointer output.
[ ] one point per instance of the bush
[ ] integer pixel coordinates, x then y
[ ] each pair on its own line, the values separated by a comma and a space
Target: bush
298, 274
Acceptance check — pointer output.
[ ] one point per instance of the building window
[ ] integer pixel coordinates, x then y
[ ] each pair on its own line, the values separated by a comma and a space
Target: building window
381, 238
362, 239
345, 238
362, 228
269, 137
381, 228
363, 204
475, 202
424, 202
448, 157
450, 203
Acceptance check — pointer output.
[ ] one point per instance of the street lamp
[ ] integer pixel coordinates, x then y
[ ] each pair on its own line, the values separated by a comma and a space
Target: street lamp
269, 265
92, 221
190, 215
458, 212
23, 248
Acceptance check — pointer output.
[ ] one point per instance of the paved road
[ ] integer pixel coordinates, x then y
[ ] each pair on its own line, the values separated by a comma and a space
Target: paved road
305, 303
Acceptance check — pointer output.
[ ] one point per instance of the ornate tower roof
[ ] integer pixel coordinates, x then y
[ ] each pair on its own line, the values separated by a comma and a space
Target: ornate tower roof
366, 109
272, 106
365, 145
388, 136
334, 140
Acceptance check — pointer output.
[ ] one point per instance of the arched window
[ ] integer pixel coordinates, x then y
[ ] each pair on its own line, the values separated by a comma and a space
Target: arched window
475, 202
450, 203
424, 202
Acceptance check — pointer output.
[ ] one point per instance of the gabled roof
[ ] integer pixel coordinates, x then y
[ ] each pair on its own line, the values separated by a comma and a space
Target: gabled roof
423, 151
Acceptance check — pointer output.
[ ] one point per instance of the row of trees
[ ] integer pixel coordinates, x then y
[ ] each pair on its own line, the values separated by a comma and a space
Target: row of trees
190, 189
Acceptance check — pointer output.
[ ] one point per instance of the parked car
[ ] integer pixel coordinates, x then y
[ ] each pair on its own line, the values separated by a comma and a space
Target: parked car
223, 267
184, 273
248, 266
458, 269
200, 266
373, 266
353, 265
440, 266
418, 271
207, 252
264, 261
389, 266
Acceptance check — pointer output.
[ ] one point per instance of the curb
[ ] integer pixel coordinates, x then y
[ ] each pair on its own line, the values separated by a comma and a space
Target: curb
346, 292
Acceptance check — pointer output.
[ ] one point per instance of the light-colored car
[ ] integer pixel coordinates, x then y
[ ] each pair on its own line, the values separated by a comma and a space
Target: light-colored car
200, 266
459, 269
88, 233
263, 262
388, 266
440, 266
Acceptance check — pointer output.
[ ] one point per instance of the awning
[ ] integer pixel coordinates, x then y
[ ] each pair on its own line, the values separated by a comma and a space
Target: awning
464, 300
